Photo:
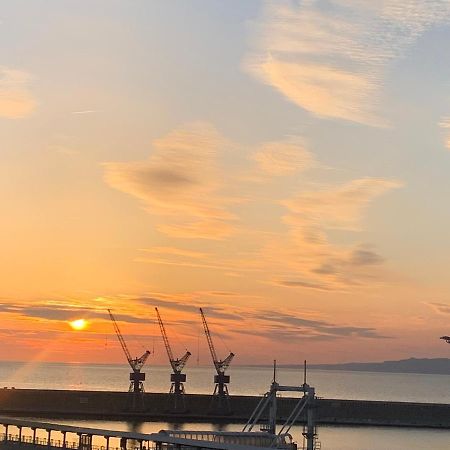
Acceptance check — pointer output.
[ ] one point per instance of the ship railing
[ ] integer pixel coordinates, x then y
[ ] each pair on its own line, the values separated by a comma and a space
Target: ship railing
257, 439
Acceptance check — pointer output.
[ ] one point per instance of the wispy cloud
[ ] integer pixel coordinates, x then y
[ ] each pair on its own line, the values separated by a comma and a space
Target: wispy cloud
229, 314
16, 100
284, 326
181, 182
175, 252
276, 326
85, 111
283, 158
63, 312
445, 125
331, 57
183, 186
310, 259
441, 308
340, 207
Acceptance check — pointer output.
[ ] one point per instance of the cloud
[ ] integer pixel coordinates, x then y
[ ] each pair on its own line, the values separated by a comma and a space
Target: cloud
331, 58
190, 307
309, 259
365, 257
175, 252
180, 183
340, 207
279, 325
303, 257
314, 88
283, 326
55, 312
441, 308
445, 125
85, 111
183, 187
283, 158
16, 100
228, 321
304, 284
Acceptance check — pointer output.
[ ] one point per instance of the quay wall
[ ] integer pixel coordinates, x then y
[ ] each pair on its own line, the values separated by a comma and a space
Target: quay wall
96, 405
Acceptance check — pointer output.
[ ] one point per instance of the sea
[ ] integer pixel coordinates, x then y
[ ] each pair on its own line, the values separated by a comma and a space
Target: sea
254, 381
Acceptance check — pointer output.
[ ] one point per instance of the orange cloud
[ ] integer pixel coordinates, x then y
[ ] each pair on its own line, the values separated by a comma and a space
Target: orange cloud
445, 125
182, 186
180, 183
329, 59
340, 207
305, 257
16, 101
283, 157
314, 88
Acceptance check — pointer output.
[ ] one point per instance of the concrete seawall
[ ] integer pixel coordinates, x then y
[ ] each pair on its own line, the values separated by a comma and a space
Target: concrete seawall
92, 405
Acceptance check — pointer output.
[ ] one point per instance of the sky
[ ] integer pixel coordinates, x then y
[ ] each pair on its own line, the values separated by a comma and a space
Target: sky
282, 164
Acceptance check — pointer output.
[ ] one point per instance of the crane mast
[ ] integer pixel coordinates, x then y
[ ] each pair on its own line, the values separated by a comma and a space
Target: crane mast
220, 396
136, 377
177, 378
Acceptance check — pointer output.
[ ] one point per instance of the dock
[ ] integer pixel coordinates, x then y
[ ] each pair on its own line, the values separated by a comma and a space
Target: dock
103, 405
33, 435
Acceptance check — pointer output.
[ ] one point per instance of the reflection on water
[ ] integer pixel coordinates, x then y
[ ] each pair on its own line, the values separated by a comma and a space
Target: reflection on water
135, 427
244, 381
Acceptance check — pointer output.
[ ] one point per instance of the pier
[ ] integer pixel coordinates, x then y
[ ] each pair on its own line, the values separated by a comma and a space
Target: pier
93, 405
27, 435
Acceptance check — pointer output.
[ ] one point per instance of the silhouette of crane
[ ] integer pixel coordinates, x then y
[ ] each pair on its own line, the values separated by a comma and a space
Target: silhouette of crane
446, 339
220, 395
177, 378
136, 377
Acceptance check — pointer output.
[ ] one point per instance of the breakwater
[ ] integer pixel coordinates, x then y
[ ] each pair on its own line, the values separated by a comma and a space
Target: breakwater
92, 405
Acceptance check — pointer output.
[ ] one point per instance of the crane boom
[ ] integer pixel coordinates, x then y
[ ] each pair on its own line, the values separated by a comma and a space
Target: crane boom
135, 363
220, 396
165, 338
180, 363
122, 340
177, 364
220, 365
138, 363
227, 361
210, 342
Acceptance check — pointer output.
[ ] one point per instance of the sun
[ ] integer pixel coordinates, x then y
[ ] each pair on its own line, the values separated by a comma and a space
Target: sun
79, 324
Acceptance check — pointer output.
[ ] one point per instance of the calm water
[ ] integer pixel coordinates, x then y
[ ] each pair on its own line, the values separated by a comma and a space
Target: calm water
248, 380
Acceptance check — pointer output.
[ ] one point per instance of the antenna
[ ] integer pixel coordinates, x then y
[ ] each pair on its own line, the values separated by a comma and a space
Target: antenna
304, 373
274, 371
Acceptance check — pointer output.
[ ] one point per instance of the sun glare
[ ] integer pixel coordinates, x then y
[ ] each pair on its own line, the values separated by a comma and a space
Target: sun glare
79, 324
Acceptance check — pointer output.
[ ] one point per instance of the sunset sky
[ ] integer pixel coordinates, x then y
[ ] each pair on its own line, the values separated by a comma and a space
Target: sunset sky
285, 165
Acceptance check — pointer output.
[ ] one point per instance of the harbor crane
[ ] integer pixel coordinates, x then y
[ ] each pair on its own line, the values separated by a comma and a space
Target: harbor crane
446, 339
220, 395
177, 378
136, 377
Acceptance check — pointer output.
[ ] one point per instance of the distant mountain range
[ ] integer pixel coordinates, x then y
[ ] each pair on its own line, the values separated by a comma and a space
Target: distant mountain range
412, 365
